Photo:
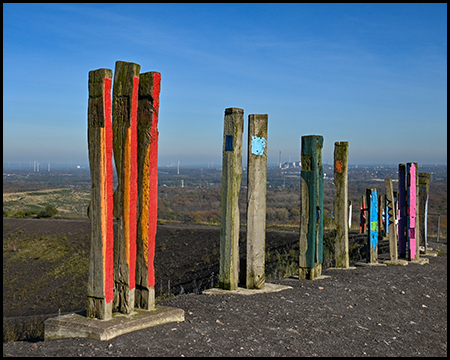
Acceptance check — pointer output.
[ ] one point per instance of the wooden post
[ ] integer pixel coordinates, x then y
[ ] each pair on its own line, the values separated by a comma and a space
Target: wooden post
402, 210
231, 183
125, 104
390, 219
372, 225
412, 211
256, 200
147, 166
341, 203
311, 226
100, 281
362, 214
381, 227
424, 190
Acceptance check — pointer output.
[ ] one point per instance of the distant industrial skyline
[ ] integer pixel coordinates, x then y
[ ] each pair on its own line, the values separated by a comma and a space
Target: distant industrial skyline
374, 75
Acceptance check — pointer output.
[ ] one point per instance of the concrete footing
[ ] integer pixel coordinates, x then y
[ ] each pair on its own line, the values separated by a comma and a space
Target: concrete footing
244, 291
369, 264
78, 325
396, 262
345, 268
420, 261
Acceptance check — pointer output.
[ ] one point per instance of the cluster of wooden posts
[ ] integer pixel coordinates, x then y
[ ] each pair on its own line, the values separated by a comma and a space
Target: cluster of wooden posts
311, 228
408, 205
121, 273
400, 215
121, 270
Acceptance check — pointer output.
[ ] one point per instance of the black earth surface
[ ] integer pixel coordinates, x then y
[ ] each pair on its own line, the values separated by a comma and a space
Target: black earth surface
368, 311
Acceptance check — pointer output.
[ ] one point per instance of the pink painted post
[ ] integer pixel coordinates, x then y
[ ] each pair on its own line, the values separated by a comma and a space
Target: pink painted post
411, 211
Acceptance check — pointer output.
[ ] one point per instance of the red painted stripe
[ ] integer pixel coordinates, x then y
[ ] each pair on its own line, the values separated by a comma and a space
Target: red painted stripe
133, 183
153, 180
109, 244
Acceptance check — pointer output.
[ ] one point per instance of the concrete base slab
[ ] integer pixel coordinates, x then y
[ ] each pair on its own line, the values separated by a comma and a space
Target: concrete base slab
244, 291
421, 261
396, 262
347, 268
78, 325
429, 253
369, 264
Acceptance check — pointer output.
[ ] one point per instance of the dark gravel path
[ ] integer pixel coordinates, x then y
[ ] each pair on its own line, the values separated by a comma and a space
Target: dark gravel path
370, 311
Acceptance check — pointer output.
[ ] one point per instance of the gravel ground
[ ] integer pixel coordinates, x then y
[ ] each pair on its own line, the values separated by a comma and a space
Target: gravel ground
369, 311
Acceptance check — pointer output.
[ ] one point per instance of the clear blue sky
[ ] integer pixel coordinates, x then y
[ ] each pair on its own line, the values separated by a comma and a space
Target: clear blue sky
371, 74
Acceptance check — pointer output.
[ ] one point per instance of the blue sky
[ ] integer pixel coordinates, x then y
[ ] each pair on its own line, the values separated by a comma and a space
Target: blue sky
374, 75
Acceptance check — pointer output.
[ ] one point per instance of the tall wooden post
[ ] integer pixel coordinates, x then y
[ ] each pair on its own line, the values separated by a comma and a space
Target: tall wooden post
390, 219
231, 183
311, 226
100, 281
341, 203
147, 166
424, 190
412, 211
372, 212
362, 214
256, 200
125, 104
402, 210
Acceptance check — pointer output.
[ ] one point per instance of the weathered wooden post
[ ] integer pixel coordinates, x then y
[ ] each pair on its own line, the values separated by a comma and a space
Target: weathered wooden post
402, 210
412, 211
341, 203
147, 166
125, 104
391, 221
101, 276
381, 224
231, 183
256, 200
424, 190
362, 214
311, 226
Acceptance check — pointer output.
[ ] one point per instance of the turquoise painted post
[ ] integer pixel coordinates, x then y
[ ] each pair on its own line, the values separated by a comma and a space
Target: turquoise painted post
311, 226
402, 211
372, 202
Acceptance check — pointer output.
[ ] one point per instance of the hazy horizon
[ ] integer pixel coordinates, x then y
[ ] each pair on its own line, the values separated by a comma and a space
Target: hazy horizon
374, 75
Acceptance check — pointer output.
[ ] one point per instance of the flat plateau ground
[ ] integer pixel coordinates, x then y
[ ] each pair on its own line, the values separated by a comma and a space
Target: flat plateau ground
369, 311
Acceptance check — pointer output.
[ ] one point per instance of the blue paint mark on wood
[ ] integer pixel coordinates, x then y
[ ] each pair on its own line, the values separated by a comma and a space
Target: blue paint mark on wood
258, 145
229, 143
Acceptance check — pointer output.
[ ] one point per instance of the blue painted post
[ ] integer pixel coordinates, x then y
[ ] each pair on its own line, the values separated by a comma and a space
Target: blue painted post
402, 211
256, 200
372, 202
311, 226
